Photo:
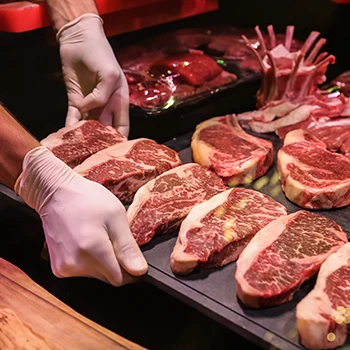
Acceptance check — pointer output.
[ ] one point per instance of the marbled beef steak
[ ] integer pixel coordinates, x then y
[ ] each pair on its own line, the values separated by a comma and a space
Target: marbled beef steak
216, 231
161, 205
75, 143
283, 255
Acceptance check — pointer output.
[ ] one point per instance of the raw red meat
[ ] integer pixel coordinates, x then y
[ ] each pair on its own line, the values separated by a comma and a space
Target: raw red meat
283, 255
125, 167
286, 73
162, 204
216, 231
221, 145
323, 315
192, 68
311, 176
75, 143
146, 92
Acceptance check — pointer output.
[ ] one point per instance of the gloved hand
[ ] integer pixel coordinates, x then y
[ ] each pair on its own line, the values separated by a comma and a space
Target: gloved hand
96, 85
85, 225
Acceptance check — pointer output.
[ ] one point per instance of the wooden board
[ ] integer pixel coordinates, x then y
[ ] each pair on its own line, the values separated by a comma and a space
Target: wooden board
40, 319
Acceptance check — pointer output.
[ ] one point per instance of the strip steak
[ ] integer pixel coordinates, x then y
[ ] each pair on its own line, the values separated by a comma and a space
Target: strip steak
216, 231
73, 144
162, 204
125, 167
221, 145
283, 255
326, 309
311, 176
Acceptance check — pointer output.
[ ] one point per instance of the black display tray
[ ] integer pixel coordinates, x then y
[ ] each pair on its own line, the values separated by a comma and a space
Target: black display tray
161, 127
214, 291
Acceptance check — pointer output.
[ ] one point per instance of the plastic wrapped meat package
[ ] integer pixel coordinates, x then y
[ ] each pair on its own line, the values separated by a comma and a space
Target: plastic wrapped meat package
188, 65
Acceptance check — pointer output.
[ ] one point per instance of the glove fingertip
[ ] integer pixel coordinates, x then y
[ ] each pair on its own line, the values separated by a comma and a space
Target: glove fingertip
136, 267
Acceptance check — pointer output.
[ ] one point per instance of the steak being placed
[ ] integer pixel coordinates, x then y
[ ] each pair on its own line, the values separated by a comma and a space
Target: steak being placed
73, 144
216, 231
311, 176
323, 316
283, 255
162, 204
125, 167
222, 146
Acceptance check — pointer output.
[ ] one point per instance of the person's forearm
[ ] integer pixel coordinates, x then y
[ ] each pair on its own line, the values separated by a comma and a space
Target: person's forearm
15, 143
64, 11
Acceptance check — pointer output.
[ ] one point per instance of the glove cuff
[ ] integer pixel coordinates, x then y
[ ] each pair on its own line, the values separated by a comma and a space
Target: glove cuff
41, 176
77, 20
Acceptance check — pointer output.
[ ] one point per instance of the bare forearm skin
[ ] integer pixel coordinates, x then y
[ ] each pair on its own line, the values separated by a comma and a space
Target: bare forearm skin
64, 11
15, 143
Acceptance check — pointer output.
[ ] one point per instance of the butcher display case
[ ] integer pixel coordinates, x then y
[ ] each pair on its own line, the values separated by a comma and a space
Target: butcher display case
161, 311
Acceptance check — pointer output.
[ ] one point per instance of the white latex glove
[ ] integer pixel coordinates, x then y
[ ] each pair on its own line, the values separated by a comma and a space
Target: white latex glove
85, 225
96, 85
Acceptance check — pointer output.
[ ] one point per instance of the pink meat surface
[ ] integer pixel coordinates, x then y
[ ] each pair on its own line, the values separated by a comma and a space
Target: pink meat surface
311, 176
125, 167
216, 231
221, 145
162, 204
75, 143
283, 255
193, 68
323, 315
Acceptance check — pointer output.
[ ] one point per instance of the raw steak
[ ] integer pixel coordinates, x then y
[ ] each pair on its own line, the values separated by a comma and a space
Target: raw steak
323, 315
283, 255
75, 143
162, 204
147, 92
221, 145
125, 167
193, 68
216, 231
311, 176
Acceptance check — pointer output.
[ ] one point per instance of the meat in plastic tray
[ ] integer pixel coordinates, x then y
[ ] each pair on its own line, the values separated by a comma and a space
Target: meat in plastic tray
187, 66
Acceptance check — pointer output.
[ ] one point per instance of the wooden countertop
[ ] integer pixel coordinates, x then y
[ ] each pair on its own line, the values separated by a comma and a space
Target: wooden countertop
32, 318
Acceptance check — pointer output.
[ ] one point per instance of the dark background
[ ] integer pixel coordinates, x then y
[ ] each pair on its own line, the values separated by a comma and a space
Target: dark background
31, 88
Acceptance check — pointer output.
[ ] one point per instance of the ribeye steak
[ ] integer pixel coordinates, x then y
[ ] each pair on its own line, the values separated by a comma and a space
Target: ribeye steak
162, 204
283, 255
125, 167
323, 316
75, 143
216, 231
312, 176
221, 145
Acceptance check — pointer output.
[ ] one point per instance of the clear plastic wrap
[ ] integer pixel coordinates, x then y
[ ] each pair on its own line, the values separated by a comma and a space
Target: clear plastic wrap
187, 66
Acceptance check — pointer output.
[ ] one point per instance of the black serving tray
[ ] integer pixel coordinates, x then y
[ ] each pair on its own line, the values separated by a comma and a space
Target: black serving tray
213, 292
161, 127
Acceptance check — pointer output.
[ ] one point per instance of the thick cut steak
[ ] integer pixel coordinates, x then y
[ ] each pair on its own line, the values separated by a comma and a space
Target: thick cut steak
221, 145
283, 255
323, 316
312, 176
216, 231
125, 167
162, 204
75, 143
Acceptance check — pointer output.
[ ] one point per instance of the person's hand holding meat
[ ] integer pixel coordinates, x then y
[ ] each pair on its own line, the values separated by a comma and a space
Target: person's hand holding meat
85, 225
96, 85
